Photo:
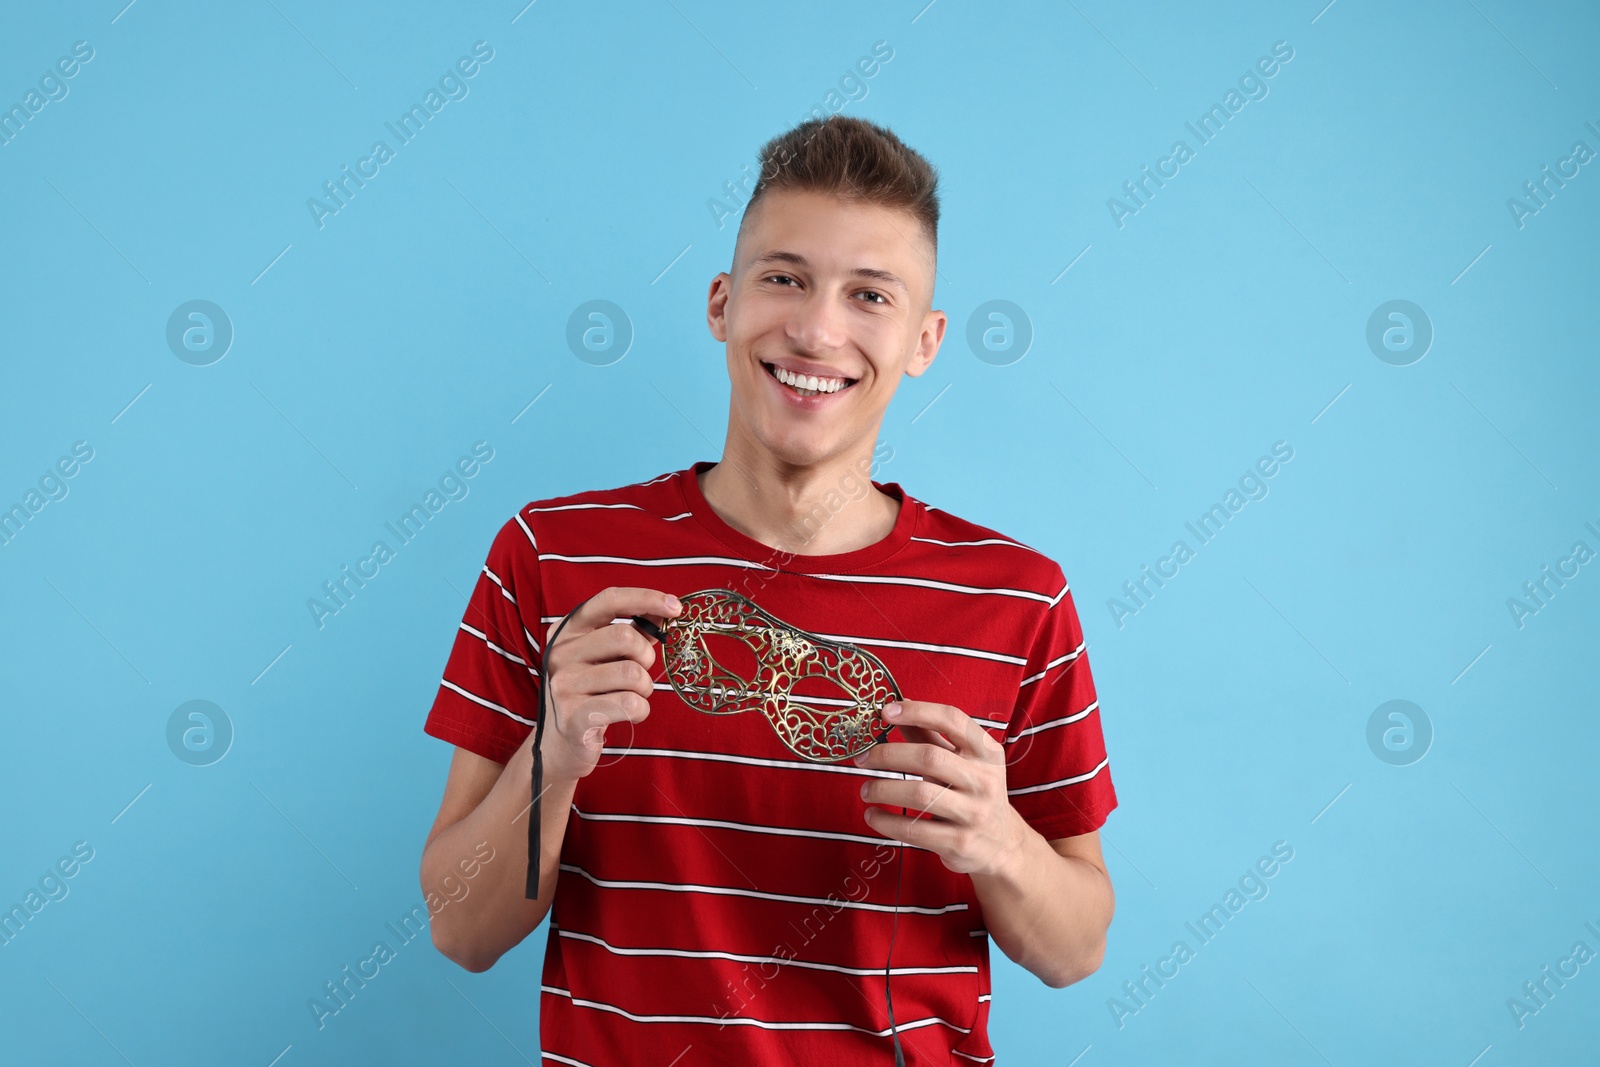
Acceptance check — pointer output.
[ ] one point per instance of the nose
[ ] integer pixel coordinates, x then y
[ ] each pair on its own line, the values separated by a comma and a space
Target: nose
816, 324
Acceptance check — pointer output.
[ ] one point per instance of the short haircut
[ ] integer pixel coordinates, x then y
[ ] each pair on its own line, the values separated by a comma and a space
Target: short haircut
854, 160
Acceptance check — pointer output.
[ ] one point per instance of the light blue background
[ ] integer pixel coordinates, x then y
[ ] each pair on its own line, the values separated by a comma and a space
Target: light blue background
428, 313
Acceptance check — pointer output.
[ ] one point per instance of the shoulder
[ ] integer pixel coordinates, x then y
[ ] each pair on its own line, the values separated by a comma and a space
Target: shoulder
645, 495
655, 498
984, 551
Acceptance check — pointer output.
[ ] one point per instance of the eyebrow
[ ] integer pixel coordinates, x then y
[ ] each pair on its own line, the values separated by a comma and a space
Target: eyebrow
796, 259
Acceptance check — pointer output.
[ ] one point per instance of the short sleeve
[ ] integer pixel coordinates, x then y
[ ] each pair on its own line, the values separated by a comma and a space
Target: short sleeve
1058, 775
488, 699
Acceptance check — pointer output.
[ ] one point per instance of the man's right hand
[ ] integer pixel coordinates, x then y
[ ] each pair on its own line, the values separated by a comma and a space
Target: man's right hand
597, 674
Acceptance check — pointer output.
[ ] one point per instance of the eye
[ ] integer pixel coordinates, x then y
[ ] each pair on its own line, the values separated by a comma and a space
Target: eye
881, 299
786, 277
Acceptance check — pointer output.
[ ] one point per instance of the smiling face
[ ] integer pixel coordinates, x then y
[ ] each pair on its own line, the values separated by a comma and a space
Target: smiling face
828, 305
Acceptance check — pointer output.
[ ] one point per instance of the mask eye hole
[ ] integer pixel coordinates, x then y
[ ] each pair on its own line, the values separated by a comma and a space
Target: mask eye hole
712, 668
836, 711
823, 721
725, 655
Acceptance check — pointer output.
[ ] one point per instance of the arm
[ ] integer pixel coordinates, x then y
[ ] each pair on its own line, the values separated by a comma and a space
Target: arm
484, 801
603, 677
1047, 904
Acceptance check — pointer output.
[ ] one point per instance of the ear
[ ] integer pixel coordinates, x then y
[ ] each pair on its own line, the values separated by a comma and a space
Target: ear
928, 341
717, 305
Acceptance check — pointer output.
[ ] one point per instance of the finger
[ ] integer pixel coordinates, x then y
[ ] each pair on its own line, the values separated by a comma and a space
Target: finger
930, 834
955, 724
923, 736
649, 625
599, 712
621, 601
615, 676
618, 642
938, 765
916, 796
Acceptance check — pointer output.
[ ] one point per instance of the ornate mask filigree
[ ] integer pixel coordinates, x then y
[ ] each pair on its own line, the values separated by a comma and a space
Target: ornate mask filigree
725, 655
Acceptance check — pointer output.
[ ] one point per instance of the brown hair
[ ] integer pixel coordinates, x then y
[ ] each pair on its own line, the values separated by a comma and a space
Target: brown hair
852, 159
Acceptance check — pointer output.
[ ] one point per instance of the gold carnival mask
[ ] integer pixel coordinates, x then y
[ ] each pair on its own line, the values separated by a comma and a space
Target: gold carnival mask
725, 655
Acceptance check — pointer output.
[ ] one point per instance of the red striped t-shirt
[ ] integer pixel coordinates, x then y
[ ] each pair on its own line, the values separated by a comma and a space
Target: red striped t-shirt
721, 900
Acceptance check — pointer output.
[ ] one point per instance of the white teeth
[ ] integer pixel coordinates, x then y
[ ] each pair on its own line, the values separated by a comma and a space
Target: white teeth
806, 384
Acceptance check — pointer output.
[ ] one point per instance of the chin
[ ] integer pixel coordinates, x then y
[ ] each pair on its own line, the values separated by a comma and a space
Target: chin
795, 452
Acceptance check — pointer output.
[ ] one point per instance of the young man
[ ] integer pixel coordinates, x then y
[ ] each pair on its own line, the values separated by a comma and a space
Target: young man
713, 898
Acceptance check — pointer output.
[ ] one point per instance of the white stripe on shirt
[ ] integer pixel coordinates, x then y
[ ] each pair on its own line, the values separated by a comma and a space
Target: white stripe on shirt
884, 642
745, 958
491, 705
1074, 780
930, 583
954, 650
724, 824
720, 757
583, 507
731, 891
741, 1020
1058, 661
758, 696
480, 635
495, 578
529, 532
985, 541
1064, 720
665, 561
563, 1059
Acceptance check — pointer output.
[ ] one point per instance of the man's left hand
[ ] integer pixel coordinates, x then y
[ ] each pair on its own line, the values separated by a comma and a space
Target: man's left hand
973, 827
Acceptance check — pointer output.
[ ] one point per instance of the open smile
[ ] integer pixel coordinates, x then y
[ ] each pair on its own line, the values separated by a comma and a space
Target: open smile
807, 390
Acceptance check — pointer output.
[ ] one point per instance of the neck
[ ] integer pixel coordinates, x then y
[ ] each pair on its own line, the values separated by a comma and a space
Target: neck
821, 509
